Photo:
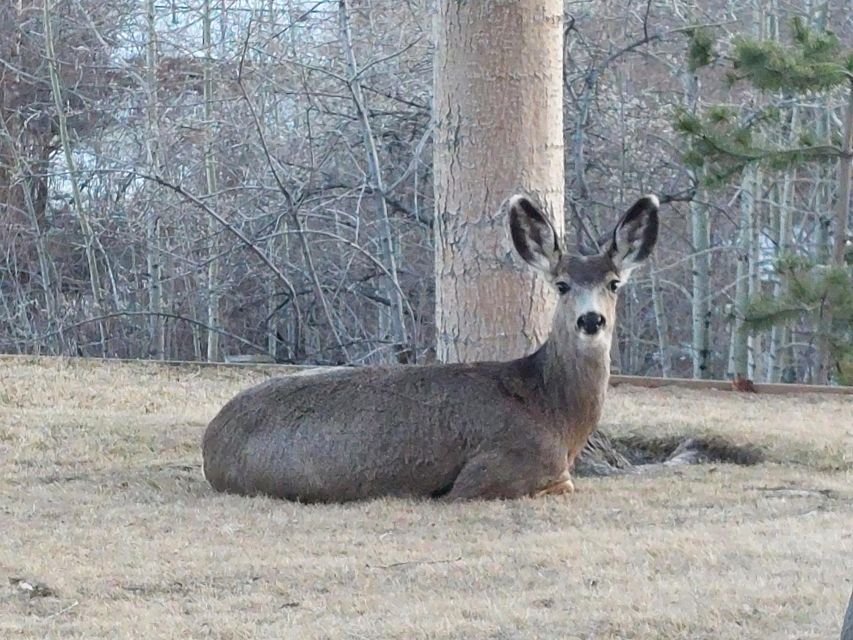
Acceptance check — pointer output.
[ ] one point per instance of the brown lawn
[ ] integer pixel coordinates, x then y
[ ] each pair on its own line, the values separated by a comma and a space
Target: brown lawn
102, 503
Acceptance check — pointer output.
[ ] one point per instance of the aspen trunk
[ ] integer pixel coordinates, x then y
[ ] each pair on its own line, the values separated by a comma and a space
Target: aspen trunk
701, 303
739, 362
213, 301
661, 322
86, 228
156, 322
700, 227
754, 339
845, 164
394, 315
780, 334
499, 128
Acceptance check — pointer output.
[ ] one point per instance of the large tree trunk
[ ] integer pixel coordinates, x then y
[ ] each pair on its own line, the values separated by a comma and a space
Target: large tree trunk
499, 128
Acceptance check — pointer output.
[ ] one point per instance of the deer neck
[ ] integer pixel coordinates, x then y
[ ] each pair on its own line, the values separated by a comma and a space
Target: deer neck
574, 376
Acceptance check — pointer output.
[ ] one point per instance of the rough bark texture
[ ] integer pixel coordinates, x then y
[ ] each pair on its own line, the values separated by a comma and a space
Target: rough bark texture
499, 128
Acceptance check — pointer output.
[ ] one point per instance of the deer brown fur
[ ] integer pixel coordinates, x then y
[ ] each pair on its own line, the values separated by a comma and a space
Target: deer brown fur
464, 431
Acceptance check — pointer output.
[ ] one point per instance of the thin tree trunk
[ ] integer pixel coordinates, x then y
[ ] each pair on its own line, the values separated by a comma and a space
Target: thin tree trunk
213, 297
388, 249
753, 340
56, 340
499, 113
616, 352
700, 227
661, 322
739, 363
842, 216
82, 218
156, 321
780, 334
845, 163
701, 300
824, 368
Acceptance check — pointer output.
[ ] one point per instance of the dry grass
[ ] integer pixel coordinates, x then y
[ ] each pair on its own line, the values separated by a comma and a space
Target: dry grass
101, 499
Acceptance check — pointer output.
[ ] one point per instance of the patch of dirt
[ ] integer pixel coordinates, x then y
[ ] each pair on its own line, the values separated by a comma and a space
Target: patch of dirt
631, 454
642, 450
27, 588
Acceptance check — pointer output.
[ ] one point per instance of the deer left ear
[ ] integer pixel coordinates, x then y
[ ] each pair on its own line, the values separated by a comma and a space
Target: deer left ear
635, 235
532, 233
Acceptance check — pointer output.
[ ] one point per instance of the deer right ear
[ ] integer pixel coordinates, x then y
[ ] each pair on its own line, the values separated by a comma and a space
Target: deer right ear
533, 234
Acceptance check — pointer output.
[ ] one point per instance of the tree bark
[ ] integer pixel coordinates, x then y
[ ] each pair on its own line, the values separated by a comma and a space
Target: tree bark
700, 228
845, 163
701, 300
754, 339
213, 298
739, 364
82, 217
499, 128
156, 321
661, 322
395, 313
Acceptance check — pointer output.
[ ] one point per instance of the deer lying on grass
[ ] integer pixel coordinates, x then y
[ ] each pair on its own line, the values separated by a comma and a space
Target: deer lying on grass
461, 431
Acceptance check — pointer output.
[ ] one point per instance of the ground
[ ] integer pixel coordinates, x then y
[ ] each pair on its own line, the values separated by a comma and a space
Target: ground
108, 529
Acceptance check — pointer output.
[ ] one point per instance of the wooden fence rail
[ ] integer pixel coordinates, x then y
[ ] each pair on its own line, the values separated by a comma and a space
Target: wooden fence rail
615, 380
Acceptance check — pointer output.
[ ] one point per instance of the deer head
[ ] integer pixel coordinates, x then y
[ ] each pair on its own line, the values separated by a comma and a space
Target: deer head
588, 284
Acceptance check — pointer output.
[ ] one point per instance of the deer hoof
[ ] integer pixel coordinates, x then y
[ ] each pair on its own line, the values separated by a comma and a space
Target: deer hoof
564, 486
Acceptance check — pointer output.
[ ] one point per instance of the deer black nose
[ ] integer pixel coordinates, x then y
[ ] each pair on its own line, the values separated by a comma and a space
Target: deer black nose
591, 322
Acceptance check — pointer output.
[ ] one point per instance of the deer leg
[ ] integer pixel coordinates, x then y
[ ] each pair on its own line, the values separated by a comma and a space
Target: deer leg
562, 486
515, 474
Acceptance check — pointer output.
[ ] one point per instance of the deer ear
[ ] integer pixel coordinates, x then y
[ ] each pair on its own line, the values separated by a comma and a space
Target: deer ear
533, 234
635, 235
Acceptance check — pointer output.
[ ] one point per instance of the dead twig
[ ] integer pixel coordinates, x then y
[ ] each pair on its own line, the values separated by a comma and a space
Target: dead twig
412, 562
63, 610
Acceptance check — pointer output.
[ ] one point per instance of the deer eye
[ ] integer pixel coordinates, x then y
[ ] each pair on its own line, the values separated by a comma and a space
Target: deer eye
613, 285
563, 288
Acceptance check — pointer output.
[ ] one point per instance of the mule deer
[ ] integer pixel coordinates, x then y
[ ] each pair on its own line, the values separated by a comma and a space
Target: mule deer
462, 431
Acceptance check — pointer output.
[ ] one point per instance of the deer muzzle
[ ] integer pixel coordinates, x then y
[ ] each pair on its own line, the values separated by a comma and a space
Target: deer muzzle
591, 322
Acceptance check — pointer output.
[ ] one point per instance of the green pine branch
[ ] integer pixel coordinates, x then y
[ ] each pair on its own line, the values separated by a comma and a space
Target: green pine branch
722, 144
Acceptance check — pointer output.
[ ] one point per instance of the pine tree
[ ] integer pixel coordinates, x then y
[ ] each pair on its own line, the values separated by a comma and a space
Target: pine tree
725, 141
822, 293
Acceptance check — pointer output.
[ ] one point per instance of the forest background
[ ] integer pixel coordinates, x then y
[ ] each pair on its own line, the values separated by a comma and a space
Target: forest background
208, 179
